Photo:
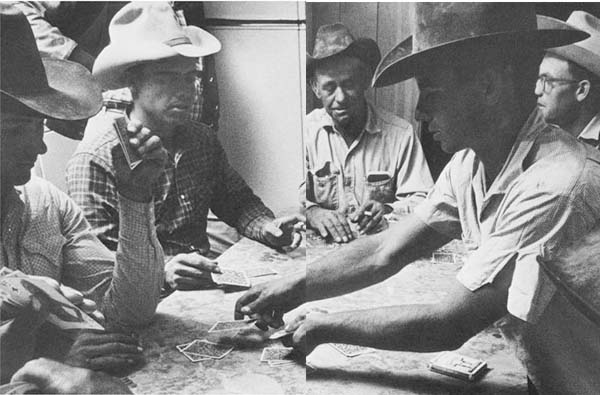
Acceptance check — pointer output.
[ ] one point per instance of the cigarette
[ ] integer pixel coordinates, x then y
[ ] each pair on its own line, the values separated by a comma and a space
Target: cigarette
368, 214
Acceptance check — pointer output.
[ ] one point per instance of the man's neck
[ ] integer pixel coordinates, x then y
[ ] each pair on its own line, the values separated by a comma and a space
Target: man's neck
166, 132
576, 127
502, 134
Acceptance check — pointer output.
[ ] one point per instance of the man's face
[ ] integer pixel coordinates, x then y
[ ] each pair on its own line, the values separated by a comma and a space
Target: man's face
165, 90
449, 107
21, 141
559, 105
340, 84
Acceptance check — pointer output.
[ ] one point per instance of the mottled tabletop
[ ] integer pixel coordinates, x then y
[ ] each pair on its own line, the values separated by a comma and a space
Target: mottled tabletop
185, 316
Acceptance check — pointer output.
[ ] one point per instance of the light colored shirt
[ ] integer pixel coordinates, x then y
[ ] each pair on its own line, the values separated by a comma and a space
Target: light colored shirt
591, 132
384, 163
546, 196
45, 233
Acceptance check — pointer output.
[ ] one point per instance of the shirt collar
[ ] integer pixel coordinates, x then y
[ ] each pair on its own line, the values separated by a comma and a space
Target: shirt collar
372, 125
592, 129
514, 164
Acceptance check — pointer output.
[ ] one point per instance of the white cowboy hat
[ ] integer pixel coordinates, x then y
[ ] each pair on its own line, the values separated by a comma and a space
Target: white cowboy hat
585, 53
143, 32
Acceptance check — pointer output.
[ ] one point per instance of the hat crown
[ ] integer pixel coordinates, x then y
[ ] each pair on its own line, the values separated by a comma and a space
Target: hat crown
442, 23
21, 68
331, 39
586, 22
147, 22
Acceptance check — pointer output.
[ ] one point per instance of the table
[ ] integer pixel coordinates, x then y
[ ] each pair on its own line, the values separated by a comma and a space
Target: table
188, 315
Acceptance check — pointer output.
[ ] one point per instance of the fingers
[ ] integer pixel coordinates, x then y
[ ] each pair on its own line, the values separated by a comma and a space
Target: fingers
241, 305
113, 362
338, 227
199, 262
372, 222
273, 229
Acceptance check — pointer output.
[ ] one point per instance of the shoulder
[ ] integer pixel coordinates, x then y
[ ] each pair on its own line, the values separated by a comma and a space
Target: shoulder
40, 195
390, 122
315, 120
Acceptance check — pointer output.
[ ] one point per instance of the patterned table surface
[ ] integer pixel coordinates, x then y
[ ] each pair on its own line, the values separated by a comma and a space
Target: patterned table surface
185, 316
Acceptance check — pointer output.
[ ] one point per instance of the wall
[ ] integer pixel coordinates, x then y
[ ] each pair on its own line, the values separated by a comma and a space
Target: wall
261, 88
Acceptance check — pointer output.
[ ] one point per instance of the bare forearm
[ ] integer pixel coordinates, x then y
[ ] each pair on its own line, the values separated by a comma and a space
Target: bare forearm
417, 328
370, 260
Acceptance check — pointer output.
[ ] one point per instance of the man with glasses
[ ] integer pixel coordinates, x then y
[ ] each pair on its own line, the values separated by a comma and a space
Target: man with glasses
568, 85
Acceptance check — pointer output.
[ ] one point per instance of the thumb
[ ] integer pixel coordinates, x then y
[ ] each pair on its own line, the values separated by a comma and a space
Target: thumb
274, 230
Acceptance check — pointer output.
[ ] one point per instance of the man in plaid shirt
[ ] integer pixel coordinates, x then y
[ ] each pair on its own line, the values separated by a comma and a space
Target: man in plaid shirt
197, 175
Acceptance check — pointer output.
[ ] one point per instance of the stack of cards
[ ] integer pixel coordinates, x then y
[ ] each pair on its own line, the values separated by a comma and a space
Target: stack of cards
444, 257
350, 350
202, 350
277, 356
222, 326
280, 335
230, 277
120, 126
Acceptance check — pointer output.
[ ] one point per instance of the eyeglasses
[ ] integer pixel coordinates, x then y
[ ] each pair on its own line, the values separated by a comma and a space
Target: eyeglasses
549, 83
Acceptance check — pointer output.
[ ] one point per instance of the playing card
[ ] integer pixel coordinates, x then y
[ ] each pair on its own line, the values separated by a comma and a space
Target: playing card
351, 350
231, 277
196, 357
231, 325
207, 349
280, 334
442, 257
120, 126
276, 354
260, 271
182, 346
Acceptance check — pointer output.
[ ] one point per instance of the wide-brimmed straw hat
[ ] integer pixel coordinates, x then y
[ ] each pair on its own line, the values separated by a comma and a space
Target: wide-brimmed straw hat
143, 32
443, 27
55, 88
585, 53
336, 39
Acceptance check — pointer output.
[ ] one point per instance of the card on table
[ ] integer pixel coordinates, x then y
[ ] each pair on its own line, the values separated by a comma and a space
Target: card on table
231, 325
232, 277
207, 349
276, 354
442, 257
280, 334
351, 350
260, 271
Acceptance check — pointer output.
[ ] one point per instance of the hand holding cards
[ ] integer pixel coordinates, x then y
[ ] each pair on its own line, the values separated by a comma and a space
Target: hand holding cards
120, 125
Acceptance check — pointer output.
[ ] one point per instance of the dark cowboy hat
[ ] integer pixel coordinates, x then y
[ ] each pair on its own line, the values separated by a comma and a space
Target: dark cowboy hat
336, 39
442, 27
52, 87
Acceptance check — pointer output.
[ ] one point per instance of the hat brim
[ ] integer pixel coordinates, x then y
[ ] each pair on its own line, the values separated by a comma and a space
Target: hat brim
115, 58
401, 63
73, 94
355, 49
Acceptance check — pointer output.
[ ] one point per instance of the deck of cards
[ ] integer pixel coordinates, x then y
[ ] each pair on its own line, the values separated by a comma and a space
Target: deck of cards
277, 356
120, 126
203, 350
232, 278
459, 366
350, 350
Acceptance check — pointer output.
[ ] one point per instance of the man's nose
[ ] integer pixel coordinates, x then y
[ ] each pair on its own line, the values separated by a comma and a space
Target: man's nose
38, 147
340, 95
538, 89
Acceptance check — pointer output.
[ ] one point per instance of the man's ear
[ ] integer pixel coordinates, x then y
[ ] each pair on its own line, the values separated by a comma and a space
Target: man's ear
315, 88
583, 90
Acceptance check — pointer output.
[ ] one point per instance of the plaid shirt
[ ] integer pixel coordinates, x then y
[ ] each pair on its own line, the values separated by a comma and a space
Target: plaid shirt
197, 177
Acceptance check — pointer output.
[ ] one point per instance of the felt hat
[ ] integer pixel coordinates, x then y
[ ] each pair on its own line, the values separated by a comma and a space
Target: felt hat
336, 39
55, 88
443, 27
585, 53
143, 32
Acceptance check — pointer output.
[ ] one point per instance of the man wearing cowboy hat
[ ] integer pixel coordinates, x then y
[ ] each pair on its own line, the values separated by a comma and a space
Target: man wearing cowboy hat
44, 233
516, 189
568, 86
158, 64
361, 161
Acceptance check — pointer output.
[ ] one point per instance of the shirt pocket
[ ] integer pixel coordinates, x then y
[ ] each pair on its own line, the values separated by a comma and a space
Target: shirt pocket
42, 253
325, 187
380, 187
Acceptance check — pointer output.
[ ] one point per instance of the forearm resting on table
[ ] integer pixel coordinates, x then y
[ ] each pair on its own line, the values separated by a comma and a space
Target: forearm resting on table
138, 273
370, 260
